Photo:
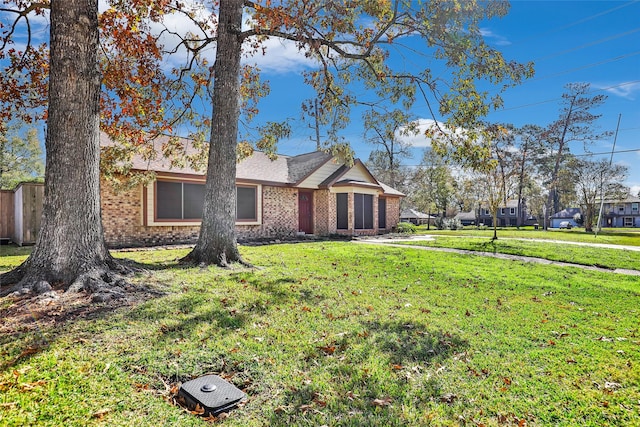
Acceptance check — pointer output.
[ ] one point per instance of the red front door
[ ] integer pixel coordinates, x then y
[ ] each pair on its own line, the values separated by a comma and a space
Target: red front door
305, 212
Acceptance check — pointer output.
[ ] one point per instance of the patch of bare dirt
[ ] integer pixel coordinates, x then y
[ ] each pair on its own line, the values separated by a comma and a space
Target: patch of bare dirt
27, 313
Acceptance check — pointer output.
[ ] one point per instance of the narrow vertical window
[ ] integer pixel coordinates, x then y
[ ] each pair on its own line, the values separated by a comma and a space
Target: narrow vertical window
342, 210
382, 213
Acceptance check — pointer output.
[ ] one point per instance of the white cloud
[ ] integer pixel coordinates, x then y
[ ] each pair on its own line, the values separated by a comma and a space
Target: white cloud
420, 139
281, 56
627, 90
423, 125
495, 38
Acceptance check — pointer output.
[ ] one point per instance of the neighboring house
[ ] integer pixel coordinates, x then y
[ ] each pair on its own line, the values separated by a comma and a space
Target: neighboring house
507, 215
466, 218
416, 217
620, 213
564, 215
310, 193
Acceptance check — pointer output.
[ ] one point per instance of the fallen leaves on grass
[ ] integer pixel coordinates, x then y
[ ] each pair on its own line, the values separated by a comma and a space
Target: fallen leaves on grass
33, 385
98, 415
328, 350
610, 385
448, 398
8, 405
385, 401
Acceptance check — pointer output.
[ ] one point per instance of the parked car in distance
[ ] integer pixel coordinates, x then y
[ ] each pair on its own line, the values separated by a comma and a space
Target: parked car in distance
565, 224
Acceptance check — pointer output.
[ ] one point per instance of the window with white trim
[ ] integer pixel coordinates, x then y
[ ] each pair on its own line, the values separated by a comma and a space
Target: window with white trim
246, 203
512, 211
634, 207
628, 221
177, 201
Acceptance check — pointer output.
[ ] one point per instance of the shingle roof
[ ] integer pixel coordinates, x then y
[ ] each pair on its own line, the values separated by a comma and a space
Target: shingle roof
628, 199
567, 213
412, 213
285, 170
389, 190
259, 167
466, 215
304, 164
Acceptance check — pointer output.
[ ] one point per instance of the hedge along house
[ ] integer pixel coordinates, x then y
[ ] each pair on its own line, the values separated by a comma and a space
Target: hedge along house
310, 193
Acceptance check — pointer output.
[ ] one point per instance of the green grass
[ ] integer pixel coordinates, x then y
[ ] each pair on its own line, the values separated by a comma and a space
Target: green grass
563, 252
342, 334
618, 236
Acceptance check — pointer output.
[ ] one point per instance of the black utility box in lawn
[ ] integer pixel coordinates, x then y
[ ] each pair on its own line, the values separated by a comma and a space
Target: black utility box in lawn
212, 393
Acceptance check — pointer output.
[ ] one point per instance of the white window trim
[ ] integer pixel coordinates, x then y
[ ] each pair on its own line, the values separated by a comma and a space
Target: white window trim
151, 200
258, 220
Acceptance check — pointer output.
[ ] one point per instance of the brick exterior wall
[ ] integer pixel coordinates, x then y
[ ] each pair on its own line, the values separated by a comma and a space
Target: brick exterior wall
123, 226
393, 213
324, 211
279, 215
122, 217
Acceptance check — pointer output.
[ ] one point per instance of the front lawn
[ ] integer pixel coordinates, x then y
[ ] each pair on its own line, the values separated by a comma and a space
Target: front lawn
336, 334
615, 236
562, 252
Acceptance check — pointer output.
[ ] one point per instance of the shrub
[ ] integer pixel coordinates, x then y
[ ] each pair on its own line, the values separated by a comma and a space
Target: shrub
407, 227
578, 219
448, 224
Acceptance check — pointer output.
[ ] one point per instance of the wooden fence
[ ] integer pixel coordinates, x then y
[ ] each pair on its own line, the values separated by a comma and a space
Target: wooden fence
28, 224
25, 201
6, 214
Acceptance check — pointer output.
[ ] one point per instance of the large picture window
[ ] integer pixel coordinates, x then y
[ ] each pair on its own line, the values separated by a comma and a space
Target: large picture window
363, 211
183, 201
179, 200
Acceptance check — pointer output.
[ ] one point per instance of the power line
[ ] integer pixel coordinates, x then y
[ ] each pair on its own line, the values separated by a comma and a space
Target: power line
633, 150
594, 64
533, 104
553, 55
588, 18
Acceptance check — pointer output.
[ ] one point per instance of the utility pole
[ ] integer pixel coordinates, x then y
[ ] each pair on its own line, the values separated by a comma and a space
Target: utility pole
317, 124
599, 227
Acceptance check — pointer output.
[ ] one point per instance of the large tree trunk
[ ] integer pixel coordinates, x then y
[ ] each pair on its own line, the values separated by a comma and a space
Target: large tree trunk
70, 251
217, 240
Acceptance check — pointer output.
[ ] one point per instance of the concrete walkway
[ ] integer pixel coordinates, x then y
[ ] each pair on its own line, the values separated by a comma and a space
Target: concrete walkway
393, 242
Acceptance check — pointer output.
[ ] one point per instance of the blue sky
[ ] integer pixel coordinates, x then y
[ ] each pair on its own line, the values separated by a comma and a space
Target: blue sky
596, 42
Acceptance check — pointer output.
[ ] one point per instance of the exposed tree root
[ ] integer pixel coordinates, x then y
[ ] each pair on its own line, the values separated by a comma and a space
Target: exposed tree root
220, 259
104, 282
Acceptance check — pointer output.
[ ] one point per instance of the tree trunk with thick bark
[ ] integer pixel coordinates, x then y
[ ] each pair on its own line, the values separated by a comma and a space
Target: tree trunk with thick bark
217, 240
70, 251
